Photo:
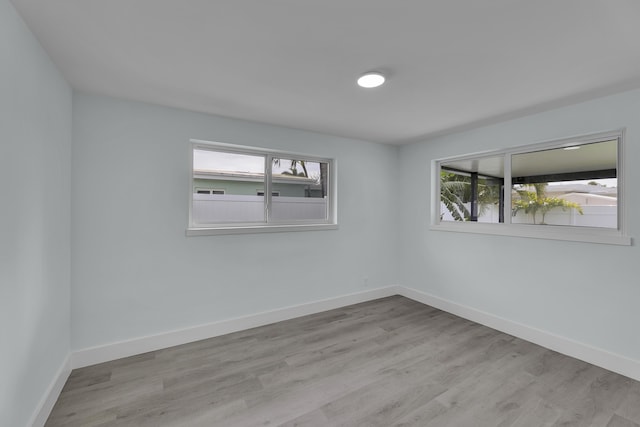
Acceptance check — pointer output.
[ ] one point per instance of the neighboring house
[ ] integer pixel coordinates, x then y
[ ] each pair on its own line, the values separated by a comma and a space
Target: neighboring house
584, 194
585, 199
252, 184
558, 190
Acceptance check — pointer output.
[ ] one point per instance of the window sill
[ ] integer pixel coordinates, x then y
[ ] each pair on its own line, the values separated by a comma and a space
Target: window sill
550, 232
213, 231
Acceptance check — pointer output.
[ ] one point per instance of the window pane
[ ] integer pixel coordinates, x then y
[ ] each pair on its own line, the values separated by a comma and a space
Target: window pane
302, 188
471, 190
254, 188
575, 186
230, 179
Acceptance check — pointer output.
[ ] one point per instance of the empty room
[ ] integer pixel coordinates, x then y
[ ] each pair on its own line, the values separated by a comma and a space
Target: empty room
296, 213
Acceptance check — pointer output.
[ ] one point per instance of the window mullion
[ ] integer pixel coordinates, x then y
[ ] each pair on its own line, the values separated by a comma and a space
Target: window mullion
474, 197
621, 184
268, 174
506, 208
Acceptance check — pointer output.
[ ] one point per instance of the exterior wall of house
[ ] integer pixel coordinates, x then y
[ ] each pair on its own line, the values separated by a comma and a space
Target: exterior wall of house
35, 164
249, 188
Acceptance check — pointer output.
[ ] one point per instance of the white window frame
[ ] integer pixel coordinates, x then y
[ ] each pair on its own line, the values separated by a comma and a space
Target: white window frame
270, 226
612, 236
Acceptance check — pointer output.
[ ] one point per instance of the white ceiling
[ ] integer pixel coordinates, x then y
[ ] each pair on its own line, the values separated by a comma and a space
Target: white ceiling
589, 157
451, 64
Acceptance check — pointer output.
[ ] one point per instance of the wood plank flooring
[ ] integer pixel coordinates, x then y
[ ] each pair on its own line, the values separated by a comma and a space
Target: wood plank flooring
389, 362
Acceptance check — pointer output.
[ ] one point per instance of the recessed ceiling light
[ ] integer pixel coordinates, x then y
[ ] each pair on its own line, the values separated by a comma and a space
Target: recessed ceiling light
370, 80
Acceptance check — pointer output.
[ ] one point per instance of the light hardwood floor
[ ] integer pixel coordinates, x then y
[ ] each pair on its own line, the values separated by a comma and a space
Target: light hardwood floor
389, 362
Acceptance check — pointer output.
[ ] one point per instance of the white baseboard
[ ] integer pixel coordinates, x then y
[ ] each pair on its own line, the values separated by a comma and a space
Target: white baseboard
599, 357
39, 417
104, 353
117, 350
596, 356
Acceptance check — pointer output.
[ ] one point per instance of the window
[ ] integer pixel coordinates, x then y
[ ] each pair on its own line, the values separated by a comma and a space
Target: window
209, 191
224, 199
568, 189
471, 190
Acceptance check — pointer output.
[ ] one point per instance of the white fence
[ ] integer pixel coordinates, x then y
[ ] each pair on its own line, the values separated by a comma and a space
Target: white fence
593, 216
224, 208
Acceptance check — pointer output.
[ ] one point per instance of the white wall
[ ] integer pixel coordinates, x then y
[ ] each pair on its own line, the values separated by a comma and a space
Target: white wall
586, 292
35, 157
134, 273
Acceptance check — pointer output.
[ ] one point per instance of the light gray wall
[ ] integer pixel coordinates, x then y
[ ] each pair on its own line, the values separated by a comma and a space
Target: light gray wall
134, 272
35, 157
586, 292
